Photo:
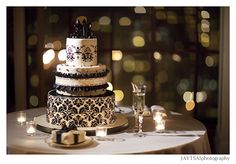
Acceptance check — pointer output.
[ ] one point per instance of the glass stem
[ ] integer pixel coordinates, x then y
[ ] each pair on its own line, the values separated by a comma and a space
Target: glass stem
140, 122
136, 126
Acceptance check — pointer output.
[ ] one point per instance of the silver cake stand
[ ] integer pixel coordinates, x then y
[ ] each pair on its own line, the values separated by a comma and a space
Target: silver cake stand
120, 124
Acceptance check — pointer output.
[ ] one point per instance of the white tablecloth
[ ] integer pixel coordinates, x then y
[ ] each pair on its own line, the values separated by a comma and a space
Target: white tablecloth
124, 143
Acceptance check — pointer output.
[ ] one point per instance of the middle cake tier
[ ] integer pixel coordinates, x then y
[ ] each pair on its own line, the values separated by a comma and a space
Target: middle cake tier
81, 81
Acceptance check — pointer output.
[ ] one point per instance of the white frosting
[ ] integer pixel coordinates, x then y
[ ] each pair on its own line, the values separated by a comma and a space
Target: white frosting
83, 93
80, 82
81, 52
63, 68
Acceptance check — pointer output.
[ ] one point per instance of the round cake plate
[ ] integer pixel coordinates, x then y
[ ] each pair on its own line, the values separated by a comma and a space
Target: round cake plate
120, 124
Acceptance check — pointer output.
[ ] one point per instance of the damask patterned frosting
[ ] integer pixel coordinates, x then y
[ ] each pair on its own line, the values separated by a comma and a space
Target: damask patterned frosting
81, 111
81, 47
81, 52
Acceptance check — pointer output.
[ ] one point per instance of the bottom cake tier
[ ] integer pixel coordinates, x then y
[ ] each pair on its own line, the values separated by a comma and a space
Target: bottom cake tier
81, 111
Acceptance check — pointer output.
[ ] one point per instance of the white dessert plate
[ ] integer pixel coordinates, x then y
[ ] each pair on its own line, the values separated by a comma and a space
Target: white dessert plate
123, 110
88, 141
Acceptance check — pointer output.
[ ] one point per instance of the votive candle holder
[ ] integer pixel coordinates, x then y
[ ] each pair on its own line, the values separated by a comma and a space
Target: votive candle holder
21, 118
101, 131
30, 128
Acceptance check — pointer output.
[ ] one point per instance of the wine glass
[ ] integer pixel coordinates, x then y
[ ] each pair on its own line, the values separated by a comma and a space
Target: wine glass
139, 92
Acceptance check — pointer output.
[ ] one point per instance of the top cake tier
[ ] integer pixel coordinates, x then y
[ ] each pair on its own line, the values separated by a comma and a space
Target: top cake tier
81, 46
81, 52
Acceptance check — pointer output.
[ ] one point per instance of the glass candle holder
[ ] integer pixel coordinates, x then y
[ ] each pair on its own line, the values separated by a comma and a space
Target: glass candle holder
21, 118
30, 128
159, 118
160, 125
158, 110
101, 131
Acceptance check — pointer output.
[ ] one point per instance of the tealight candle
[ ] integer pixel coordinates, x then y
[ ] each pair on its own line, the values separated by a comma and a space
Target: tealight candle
21, 117
160, 126
30, 128
159, 122
158, 117
101, 131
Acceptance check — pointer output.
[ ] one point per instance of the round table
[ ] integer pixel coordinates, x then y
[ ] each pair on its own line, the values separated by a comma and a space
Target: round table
191, 138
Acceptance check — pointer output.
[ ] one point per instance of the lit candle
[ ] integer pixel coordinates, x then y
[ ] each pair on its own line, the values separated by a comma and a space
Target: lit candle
21, 117
158, 117
31, 128
101, 131
159, 122
160, 126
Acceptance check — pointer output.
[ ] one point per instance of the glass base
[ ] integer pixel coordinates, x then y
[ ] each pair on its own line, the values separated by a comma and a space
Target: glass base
101, 139
160, 131
31, 134
140, 134
21, 123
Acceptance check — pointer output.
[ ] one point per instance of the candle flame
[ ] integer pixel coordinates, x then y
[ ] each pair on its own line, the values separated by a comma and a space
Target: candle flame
158, 117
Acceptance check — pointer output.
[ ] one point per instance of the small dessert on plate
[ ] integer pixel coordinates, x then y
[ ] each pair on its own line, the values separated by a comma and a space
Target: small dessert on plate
68, 135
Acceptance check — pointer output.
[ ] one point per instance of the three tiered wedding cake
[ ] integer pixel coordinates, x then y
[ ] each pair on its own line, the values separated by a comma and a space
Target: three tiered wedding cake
80, 96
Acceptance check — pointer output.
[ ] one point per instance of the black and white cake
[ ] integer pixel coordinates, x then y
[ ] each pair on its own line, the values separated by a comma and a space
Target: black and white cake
80, 96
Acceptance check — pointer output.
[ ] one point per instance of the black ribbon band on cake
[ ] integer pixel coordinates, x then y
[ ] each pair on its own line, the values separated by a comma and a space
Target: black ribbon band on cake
82, 76
87, 88
66, 129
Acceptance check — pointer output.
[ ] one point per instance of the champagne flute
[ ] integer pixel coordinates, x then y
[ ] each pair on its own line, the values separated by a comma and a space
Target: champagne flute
138, 107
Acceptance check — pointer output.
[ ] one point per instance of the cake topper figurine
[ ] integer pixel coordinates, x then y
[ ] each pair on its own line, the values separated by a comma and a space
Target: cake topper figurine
82, 29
